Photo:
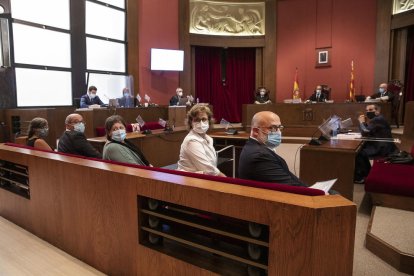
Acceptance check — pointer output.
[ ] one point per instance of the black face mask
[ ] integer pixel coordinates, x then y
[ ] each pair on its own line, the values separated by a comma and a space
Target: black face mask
370, 114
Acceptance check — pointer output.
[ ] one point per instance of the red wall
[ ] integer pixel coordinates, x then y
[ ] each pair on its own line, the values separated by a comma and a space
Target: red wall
350, 31
348, 27
158, 28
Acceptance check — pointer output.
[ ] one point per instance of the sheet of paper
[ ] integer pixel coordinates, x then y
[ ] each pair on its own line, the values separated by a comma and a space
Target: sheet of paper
324, 185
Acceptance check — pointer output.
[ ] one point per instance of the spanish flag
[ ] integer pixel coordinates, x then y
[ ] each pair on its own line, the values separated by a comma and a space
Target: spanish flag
351, 84
296, 93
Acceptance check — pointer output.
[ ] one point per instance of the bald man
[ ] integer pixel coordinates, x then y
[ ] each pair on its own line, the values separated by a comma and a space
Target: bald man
383, 94
74, 140
258, 160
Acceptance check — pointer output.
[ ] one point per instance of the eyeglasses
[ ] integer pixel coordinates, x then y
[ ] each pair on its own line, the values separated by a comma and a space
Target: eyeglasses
274, 128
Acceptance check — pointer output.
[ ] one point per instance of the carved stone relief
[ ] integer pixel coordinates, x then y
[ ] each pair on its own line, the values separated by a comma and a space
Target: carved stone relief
227, 18
403, 6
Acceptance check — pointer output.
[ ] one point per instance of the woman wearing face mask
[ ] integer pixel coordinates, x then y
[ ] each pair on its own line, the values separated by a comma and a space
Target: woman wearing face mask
262, 96
197, 153
117, 148
37, 132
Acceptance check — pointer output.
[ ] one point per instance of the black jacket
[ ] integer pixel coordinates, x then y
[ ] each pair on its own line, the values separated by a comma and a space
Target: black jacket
257, 162
321, 98
75, 142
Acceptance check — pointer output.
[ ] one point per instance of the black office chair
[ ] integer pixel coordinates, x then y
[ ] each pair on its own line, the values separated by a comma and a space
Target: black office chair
327, 91
396, 87
76, 102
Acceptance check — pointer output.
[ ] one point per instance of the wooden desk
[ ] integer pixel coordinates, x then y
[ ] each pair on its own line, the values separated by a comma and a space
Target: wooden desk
333, 159
96, 117
305, 118
160, 148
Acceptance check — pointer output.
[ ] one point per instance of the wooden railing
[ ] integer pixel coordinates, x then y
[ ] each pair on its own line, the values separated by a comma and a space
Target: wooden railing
96, 212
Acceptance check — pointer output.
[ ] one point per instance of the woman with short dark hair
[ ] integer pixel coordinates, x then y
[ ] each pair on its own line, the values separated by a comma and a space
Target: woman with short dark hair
117, 147
197, 153
37, 132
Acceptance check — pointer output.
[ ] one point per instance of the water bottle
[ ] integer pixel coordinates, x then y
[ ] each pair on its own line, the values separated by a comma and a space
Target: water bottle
198, 101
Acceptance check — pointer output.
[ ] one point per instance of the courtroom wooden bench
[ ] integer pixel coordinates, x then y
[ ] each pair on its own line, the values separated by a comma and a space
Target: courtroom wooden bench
132, 220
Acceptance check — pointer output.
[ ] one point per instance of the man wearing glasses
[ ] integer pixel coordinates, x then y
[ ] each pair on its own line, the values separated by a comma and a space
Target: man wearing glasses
258, 160
74, 140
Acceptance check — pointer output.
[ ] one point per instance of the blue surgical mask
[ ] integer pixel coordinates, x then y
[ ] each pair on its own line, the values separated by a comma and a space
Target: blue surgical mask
119, 135
92, 95
273, 139
126, 95
43, 132
79, 127
381, 90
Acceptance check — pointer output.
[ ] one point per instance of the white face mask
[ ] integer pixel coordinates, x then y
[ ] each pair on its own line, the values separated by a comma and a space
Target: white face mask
262, 93
200, 127
318, 91
92, 95
180, 94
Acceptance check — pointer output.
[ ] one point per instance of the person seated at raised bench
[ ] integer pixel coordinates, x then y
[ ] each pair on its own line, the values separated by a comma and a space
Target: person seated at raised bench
262, 96
318, 95
126, 100
383, 94
90, 98
117, 147
258, 159
372, 126
197, 153
37, 132
73, 140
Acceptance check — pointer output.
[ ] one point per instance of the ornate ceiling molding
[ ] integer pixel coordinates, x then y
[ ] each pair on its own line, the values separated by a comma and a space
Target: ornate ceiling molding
403, 6
227, 18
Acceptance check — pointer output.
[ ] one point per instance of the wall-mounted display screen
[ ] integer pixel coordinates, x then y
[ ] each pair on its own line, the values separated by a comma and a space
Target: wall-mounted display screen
167, 60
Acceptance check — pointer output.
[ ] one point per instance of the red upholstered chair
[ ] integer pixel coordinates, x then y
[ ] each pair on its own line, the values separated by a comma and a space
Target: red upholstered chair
151, 126
100, 131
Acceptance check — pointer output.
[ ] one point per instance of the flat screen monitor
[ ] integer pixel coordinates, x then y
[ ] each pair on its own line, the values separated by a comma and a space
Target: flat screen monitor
167, 60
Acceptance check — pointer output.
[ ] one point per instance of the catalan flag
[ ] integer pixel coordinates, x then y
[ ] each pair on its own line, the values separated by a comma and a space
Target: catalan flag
296, 93
351, 84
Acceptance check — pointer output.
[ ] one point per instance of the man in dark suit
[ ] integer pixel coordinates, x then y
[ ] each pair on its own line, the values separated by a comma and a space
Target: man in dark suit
90, 98
372, 125
318, 95
74, 140
258, 160
175, 100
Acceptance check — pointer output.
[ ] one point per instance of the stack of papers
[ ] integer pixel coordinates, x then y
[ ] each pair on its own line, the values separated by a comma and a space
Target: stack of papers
324, 185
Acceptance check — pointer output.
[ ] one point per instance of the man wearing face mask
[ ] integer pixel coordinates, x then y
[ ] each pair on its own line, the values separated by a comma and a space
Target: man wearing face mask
117, 147
372, 125
74, 140
175, 100
262, 96
90, 98
258, 160
318, 95
197, 153
383, 94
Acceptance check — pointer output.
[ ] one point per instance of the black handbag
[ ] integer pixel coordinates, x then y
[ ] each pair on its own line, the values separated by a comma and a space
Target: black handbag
401, 157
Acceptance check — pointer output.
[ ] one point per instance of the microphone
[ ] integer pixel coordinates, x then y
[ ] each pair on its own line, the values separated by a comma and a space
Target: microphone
232, 130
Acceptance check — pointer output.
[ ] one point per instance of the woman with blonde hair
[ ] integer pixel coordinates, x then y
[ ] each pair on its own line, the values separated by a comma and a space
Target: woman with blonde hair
37, 132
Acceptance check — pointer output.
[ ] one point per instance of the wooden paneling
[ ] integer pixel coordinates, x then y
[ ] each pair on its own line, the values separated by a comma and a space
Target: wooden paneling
96, 117
89, 209
333, 159
402, 20
311, 115
384, 11
55, 117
